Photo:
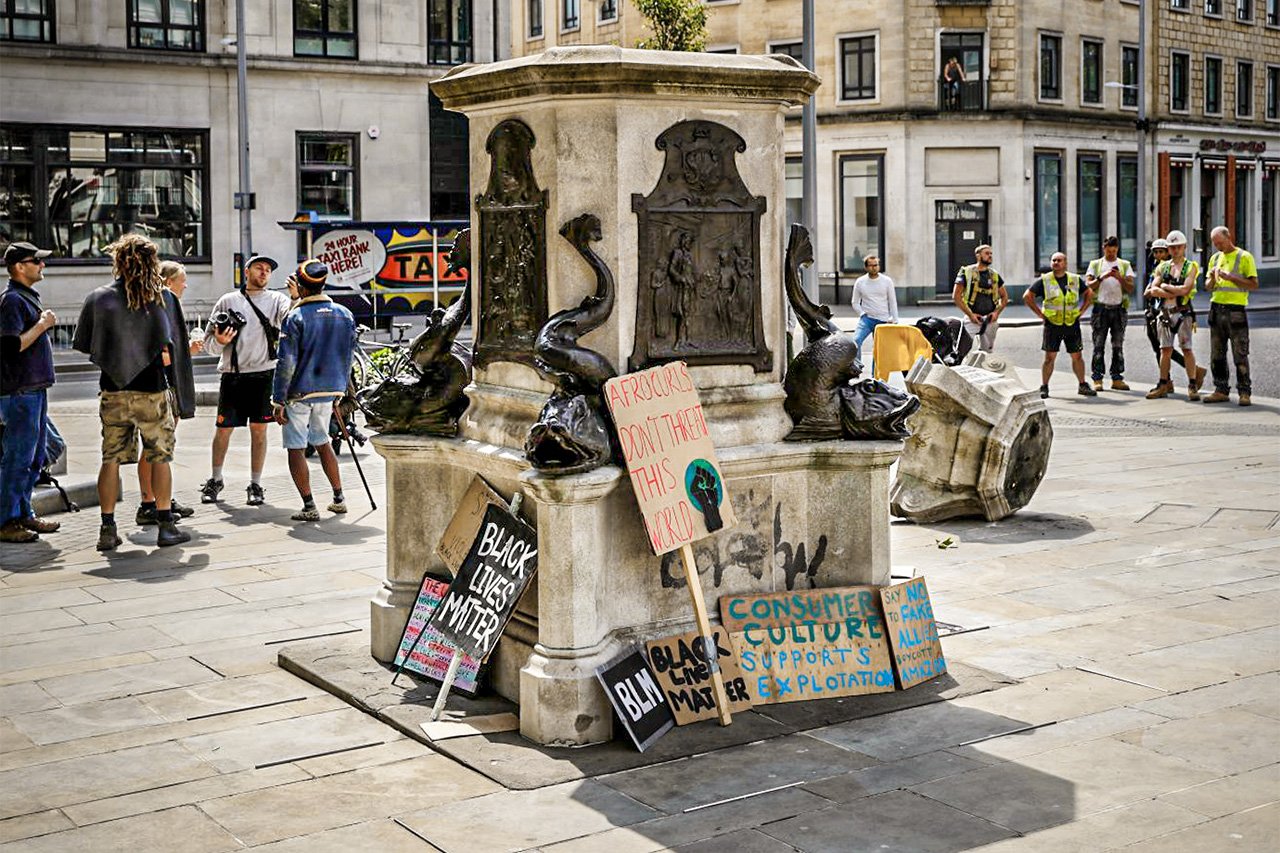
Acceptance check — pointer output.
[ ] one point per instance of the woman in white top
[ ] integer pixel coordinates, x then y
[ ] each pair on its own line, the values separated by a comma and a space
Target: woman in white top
874, 300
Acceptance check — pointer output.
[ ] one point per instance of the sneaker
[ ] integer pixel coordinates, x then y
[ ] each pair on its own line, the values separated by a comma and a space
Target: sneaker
306, 514
146, 516
1044, 392
1097, 384
1245, 400
338, 506
1119, 385
1218, 397
107, 538
1163, 389
36, 524
181, 510
171, 535
210, 490
256, 496
1085, 391
15, 533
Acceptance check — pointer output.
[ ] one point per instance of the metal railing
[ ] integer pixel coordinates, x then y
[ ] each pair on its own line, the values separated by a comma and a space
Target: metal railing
964, 96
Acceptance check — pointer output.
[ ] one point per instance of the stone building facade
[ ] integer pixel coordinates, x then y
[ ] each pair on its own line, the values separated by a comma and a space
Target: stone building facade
1216, 112
122, 115
1035, 151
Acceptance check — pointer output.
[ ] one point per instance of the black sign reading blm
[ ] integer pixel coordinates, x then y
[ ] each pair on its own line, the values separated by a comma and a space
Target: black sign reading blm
637, 698
483, 596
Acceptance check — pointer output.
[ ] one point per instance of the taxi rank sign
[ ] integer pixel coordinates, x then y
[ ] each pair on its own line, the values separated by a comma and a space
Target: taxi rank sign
494, 575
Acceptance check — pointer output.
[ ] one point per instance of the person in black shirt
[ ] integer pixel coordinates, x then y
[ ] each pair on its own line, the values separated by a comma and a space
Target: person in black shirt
124, 328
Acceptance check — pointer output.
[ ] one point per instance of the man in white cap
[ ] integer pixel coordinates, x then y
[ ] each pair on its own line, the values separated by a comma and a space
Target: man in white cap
1174, 284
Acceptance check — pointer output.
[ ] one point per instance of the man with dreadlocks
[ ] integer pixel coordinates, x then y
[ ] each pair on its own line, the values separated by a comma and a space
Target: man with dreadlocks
125, 330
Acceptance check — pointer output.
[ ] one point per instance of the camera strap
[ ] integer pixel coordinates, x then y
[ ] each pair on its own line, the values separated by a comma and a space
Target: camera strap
271, 332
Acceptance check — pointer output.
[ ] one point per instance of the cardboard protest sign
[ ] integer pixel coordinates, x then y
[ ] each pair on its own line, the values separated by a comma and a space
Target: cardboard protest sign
462, 529
810, 644
917, 651
635, 695
670, 458
491, 580
431, 655
680, 665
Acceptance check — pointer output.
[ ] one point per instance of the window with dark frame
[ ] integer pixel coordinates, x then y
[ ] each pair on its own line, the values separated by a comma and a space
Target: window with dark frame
1243, 234
608, 10
793, 49
1180, 5
793, 177
78, 189
858, 63
450, 161
1179, 77
167, 25
328, 178
1212, 85
1050, 67
1091, 71
1177, 194
1244, 10
1269, 212
1273, 92
861, 209
570, 14
448, 32
1244, 89
324, 28
27, 20
1048, 211
535, 19
1090, 209
1127, 207
1273, 13
1129, 76
1213, 8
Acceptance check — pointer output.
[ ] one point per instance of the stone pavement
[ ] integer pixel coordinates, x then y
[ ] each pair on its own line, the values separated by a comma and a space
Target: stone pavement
1134, 602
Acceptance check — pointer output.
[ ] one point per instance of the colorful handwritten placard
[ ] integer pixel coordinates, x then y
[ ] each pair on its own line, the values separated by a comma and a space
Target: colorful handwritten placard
917, 651
680, 665
431, 657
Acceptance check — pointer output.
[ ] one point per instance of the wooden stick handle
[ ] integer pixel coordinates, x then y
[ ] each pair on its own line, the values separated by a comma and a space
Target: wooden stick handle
708, 639
449, 676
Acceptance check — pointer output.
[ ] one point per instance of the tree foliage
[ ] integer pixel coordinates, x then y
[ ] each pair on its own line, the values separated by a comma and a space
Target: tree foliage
676, 24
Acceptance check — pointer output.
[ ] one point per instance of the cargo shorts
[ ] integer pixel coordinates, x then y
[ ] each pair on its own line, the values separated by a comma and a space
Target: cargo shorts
1165, 335
126, 415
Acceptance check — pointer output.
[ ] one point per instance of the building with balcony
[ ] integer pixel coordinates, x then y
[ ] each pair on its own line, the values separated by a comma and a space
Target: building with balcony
121, 115
1032, 146
1216, 112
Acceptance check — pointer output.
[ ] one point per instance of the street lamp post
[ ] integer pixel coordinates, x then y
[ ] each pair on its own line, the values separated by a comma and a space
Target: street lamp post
809, 157
1141, 125
244, 198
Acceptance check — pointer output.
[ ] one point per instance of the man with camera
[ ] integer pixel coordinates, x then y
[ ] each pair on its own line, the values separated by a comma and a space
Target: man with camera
316, 344
246, 329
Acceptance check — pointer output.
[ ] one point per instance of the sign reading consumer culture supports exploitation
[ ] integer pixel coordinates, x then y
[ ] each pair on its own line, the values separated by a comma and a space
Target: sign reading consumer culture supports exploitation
913, 633
494, 575
670, 458
431, 654
810, 644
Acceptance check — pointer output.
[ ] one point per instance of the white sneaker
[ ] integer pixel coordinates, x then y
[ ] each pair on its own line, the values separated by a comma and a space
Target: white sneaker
338, 506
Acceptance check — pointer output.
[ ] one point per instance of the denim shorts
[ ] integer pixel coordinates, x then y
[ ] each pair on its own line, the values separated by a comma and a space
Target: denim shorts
308, 423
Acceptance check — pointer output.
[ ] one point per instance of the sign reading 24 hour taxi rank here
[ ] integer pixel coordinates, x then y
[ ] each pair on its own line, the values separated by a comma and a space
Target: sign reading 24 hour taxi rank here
670, 458
494, 575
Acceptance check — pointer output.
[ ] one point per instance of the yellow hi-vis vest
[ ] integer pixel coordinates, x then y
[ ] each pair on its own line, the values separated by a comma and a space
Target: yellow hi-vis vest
1228, 292
1061, 307
971, 283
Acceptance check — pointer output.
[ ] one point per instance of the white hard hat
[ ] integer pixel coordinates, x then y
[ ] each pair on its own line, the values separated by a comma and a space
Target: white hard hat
1176, 238
1159, 243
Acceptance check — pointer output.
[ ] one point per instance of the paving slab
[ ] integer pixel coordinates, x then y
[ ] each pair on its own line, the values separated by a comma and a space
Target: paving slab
516, 820
1251, 831
1227, 741
158, 832
128, 681
32, 825
86, 720
1076, 730
742, 841
879, 778
1106, 830
1229, 794
1057, 696
896, 820
385, 836
893, 737
23, 698
290, 739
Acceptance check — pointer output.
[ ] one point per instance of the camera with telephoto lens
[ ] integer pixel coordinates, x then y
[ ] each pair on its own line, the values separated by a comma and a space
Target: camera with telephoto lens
227, 319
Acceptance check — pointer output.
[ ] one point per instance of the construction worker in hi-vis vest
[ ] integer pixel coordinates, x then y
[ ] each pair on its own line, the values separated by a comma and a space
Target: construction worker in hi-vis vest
1065, 298
979, 292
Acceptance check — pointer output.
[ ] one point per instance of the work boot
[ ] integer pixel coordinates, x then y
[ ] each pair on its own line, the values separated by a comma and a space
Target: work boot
181, 510
171, 535
14, 532
41, 525
210, 490
1085, 391
1163, 389
1198, 382
1119, 385
1044, 392
107, 538
1192, 394
1218, 397
255, 495
146, 516
1245, 400
1097, 384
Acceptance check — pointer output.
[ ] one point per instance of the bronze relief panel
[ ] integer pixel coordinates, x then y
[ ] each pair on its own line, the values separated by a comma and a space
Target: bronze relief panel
513, 242
699, 255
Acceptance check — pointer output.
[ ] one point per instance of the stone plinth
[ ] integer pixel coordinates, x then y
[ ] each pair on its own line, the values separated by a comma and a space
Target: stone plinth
672, 151
979, 446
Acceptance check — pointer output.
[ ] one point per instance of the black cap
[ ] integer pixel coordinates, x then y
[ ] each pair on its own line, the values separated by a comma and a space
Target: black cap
23, 251
254, 259
312, 274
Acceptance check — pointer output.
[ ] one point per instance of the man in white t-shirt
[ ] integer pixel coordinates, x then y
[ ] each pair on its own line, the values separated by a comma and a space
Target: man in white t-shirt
1110, 277
874, 300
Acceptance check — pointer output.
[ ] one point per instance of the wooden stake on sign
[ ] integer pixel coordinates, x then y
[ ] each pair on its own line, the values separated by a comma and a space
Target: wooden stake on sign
456, 660
704, 628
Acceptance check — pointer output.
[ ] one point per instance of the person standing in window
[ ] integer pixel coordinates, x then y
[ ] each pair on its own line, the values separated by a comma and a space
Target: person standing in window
874, 300
953, 76
1231, 275
1110, 278
247, 365
980, 294
26, 374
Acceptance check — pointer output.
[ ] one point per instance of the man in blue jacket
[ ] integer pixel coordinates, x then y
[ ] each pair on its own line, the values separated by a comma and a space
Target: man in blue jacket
317, 340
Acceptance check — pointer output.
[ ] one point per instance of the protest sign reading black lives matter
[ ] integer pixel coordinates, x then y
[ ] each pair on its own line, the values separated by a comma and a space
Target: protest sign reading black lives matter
494, 575
636, 697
